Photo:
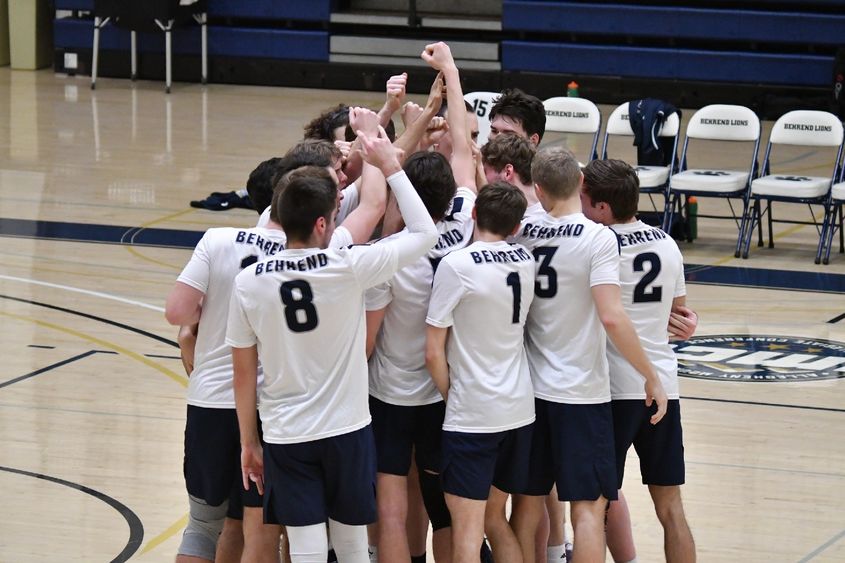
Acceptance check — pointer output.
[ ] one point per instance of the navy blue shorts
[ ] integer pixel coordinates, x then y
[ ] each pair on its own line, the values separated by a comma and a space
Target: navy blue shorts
309, 482
573, 448
399, 430
212, 463
660, 446
472, 462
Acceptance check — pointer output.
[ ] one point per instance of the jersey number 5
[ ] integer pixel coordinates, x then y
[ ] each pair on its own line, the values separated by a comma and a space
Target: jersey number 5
642, 293
300, 313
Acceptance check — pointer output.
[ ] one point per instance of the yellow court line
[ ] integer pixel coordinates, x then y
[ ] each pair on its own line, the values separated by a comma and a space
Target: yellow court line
165, 535
79, 274
137, 254
180, 379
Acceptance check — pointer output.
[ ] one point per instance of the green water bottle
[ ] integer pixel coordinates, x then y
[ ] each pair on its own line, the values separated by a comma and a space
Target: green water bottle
692, 216
572, 89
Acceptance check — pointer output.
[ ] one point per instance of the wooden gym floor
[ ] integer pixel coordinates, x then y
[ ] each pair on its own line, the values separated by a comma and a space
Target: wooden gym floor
95, 226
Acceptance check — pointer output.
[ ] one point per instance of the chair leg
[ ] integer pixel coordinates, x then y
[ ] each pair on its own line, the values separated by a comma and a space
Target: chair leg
133, 37
204, 50
823, 234
769, 221
831, 229
669, 214
742, 225
96, 54
167, 64
757, 208
841, 232
753, 223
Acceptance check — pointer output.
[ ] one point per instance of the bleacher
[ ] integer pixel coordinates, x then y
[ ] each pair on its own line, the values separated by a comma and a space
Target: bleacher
702, 51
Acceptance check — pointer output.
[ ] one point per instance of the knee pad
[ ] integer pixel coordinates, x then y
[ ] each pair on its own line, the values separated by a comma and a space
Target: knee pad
308, 544
349, 542
434, 501
205, 522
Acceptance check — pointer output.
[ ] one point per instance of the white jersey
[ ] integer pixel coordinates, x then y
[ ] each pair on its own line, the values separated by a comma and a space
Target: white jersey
219, 256
565, 339
397, 366
341, 236
652, 275
305, 310
484, 292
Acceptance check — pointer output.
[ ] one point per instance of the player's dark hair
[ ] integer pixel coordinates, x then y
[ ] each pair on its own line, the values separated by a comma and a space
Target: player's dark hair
432, 177
313, 152
283, 182
261, 182
556, 170
323, 126
614, 182
510, 149
305, 199
499, 208
523, 108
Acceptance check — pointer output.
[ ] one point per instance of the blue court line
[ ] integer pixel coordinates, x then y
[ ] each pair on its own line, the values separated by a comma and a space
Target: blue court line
107, 234
54, 366
823, 547
174, 238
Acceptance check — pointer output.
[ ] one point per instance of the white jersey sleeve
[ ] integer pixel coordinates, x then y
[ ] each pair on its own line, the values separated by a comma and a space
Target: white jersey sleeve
198, 269
239, 333
446, 293
351, 199
264, 218
378, 297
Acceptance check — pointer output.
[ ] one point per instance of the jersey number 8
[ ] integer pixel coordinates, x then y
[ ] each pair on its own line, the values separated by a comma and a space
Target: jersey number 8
298, 299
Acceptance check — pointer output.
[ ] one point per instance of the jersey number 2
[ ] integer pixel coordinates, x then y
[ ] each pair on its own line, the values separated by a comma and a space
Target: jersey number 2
294, 302
642, 293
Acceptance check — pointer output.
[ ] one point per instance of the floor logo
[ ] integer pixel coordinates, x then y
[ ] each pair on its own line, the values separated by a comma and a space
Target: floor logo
739, 357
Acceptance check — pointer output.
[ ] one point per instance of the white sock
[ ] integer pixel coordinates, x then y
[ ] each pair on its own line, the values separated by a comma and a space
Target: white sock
349, 542
373, 553
554, 553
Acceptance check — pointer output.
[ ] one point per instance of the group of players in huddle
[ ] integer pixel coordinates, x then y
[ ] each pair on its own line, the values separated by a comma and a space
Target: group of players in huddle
498, 340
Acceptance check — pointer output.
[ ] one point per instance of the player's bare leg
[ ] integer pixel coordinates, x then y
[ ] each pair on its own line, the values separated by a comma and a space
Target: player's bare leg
503, 541
620, 538
230, 545
392, 501
678, 543
527, 513
261, 541
588, 523
467, 528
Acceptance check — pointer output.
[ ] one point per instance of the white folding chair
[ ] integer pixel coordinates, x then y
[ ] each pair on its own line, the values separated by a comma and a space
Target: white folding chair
833, 220
574, 115
653, 179
482, 103
796, 128
724, 123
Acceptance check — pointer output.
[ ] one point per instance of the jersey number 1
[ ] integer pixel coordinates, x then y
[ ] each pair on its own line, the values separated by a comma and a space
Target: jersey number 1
516, 287
294, 302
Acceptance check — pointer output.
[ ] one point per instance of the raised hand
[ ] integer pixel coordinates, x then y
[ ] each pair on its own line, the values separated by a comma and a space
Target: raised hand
396, 91
380, 152
363, 119
438, 56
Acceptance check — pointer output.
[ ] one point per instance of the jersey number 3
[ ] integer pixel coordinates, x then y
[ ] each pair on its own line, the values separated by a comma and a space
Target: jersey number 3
642, 292
298, 299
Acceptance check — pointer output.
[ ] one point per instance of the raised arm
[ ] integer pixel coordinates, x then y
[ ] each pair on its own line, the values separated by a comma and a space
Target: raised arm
395, 96
620, 330
414, 130
439, 57
363, 220
422, 234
